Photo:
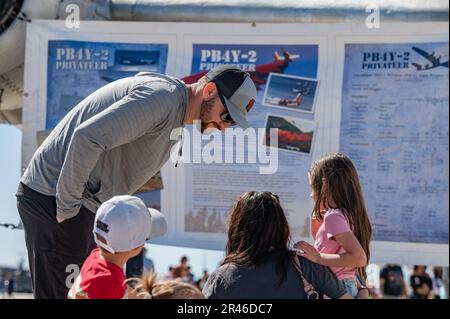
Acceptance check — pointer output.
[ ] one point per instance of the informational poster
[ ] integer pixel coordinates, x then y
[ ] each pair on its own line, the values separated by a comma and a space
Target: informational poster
378, 95
78, 68
279, 72
394, 126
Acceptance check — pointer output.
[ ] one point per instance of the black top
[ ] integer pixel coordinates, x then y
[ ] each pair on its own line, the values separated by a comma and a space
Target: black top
393, 280
417, 281
262, 281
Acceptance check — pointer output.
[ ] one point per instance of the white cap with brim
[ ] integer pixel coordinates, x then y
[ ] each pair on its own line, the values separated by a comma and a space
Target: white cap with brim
125, 223
158, 227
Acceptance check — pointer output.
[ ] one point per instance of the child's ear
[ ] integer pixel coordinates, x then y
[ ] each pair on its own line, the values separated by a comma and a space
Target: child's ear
209, 90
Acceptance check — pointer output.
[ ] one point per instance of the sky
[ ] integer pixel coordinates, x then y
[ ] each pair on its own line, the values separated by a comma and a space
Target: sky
12, 242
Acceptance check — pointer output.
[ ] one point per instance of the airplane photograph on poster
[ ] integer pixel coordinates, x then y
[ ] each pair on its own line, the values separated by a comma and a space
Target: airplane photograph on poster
135, 61
429, 58
77, 68
258, 60
290, 92
294, 135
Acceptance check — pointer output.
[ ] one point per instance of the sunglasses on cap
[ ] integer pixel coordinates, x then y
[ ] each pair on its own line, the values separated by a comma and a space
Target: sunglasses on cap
225, 116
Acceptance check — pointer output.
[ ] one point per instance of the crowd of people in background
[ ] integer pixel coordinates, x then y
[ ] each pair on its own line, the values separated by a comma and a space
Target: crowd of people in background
394, 285
183, 272
394, 281
261, 260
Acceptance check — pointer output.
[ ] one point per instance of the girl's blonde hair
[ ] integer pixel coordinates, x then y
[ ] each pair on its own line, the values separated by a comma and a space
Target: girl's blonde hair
150, 288
335, 183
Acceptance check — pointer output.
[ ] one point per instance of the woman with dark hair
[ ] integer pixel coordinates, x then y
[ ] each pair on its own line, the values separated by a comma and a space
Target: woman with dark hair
258, 262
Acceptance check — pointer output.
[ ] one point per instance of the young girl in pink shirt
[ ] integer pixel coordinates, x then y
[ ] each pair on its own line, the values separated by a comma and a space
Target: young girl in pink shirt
340, 225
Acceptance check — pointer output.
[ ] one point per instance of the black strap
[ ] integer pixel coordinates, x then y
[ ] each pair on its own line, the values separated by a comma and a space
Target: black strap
309, 289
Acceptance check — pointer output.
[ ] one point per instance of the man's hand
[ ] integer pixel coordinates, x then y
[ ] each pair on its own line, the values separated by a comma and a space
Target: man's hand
60, 219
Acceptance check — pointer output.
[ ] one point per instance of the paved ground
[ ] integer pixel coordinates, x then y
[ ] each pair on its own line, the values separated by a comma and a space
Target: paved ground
18, 296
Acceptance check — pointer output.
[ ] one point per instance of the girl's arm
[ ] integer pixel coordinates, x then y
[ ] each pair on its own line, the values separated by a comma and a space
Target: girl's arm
353, 257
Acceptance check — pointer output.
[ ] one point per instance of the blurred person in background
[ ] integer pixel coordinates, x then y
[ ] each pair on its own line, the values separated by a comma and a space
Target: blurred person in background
438, 283
188, 277
10, 287
392, 282
169, 275
182, 269
421, 283
445, 281
149, 266
2, 285
202, 281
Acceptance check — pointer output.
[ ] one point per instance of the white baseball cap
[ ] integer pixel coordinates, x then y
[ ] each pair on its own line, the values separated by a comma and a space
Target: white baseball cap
126, 223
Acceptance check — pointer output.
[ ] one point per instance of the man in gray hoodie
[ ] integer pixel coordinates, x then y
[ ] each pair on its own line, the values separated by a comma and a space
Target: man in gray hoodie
110, 144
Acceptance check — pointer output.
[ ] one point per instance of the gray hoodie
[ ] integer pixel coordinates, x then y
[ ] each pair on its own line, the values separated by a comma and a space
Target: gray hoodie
110, 144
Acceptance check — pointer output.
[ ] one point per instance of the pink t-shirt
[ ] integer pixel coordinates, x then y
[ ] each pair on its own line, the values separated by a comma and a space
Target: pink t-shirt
334, 223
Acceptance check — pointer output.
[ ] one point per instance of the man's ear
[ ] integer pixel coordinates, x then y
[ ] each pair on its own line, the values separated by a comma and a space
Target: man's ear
209, 90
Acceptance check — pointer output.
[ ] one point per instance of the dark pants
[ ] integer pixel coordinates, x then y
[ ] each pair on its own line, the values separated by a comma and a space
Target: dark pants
56, 251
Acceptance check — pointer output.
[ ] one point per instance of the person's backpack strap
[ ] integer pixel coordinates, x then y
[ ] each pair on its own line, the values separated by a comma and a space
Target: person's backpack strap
310, 291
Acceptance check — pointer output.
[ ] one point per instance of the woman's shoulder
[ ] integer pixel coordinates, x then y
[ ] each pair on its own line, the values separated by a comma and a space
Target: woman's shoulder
222, 277
225, 272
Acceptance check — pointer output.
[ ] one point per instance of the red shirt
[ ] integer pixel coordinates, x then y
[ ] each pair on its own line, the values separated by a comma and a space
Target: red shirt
99, 279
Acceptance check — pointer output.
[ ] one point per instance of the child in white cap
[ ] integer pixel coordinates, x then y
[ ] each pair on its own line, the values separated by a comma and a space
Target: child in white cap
122, 226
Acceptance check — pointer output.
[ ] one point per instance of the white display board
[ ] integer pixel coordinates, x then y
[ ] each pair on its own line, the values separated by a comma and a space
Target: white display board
379, 95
